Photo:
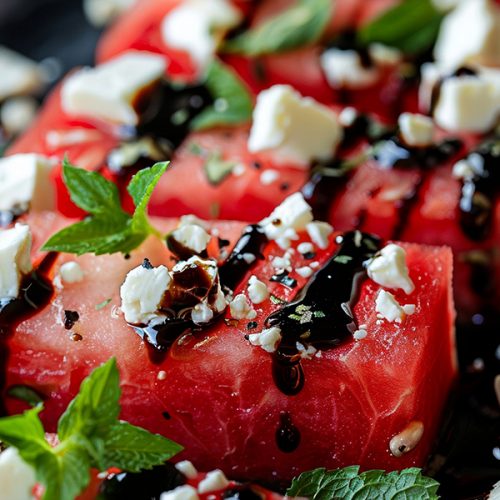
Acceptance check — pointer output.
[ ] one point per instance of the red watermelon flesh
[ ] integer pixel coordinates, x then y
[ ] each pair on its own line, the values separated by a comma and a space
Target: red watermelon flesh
216, 395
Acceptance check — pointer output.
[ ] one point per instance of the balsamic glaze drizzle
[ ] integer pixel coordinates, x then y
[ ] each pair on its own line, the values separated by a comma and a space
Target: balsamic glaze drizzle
287, 435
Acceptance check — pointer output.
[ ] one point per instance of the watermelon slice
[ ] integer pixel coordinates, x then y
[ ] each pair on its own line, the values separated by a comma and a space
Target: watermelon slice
376, 401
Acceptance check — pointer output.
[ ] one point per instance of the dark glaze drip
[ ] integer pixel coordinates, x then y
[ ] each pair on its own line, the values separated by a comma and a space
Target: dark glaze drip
394, 153
284, 279
70, 318
181, 251
319, 315
479, 192
251, 243
288, 374
287, 435
36, 293
242, 492
146, 485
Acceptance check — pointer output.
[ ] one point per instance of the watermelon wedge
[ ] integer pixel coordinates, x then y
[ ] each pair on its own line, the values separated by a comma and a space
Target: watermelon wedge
329, 400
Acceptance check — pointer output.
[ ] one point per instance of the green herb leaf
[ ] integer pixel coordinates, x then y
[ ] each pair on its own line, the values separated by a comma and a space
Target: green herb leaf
108, 229
232, 102
216, 169
303, 24
102, 304
411, 26
90, 436
25, 393
349, 484
342, 259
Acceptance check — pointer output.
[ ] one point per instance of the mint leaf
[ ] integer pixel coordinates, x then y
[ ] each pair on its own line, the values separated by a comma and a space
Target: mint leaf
108, 229
25, 393
303, 24
95, 406
411, 26
90, 436
216, 169
232, 102
349, 484
133, 449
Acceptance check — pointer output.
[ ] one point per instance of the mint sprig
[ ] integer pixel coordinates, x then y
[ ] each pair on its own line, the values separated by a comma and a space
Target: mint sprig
300, 25
90, 436
411, 26
349, 484
232, 102
108, 228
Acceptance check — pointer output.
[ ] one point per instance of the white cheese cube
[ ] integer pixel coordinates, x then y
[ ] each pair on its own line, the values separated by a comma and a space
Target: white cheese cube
187, 468
102, 12
16, 476
415, 129
388, 307
17, 113
184, 492
20, 75
25, 181
293, 128
470, 34
192, 236
108, 91
214, 481
344, 68
142, 293
257, 290
319, 233
71, 272
197, 26
267, 339
15, 259
241, 309
389, 269
469, 103
294, 213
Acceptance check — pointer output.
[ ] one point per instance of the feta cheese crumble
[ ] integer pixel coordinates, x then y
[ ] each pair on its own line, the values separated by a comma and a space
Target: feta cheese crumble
389, 308
319, 233
197, 26
268, 339
240, 308
214, 481
187, 468
108, 91
294, 129
25, 182
17, 113
15, 259
71, 272
257, 290
416, 129
184, 492
142, 293
192, 236
201, 313
389, 269
16, 476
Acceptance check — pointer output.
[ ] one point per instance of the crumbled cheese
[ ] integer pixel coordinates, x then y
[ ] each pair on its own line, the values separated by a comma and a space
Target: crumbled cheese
15, 259
281, 263
25, 182
469, 102
16, 476
241, 309
294, 129
344, 68
102, 12
305, 247
348, 116
192, 236
293, 214
388, 307
389, 269
305, 352
239, 169
383, 55
142, 293
319, 233
71, 272
220, 300
20, 75
415, 129
269, 176
187, 468
470, 34
197, 26
257, 290
162, 375
56, 139
214, 481
465, 169
17, 113
184, 492
108, 91
409, 309
267, 339
192, 219
305, 272
201, 313
360, 334
314, 265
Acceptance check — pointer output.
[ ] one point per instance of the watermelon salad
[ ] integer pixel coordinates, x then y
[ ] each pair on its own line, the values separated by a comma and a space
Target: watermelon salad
270, 229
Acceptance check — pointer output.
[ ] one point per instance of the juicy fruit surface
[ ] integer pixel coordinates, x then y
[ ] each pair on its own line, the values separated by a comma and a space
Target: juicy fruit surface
217, 396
